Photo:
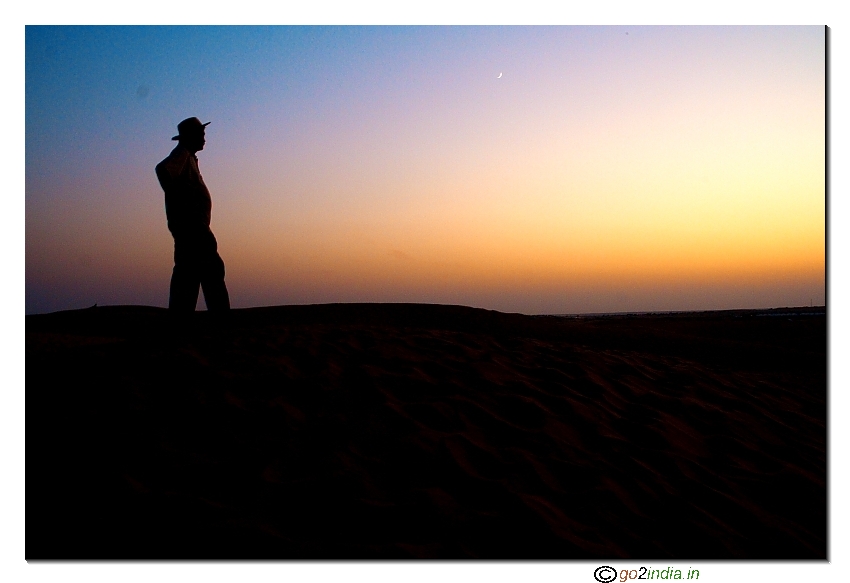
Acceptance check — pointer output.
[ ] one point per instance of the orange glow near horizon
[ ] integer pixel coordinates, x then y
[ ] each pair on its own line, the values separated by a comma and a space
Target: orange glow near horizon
671, 168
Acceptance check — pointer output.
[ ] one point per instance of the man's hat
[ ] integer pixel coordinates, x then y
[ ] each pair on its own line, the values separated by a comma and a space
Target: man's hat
190, 126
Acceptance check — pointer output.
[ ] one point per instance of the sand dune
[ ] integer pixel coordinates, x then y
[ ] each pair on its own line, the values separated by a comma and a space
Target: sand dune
422, 431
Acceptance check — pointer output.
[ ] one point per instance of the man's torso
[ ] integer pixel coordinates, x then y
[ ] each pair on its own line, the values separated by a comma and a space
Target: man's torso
187, 200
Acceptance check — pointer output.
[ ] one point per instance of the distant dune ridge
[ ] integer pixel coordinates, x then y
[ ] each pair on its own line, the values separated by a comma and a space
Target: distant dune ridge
425, 431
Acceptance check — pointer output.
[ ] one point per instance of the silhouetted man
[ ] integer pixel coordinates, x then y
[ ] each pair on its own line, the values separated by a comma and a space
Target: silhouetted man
187, 208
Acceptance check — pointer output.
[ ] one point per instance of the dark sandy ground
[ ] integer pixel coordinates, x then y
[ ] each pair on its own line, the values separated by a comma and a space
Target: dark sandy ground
422, 431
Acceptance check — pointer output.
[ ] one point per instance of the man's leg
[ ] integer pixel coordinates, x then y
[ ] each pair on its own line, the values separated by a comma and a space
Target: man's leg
212, 281
185, 285
185, 279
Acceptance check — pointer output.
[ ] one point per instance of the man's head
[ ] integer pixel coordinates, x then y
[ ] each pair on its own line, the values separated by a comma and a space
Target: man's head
191, 134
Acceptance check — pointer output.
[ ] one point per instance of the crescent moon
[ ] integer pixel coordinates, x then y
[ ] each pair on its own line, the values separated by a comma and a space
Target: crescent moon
500, 76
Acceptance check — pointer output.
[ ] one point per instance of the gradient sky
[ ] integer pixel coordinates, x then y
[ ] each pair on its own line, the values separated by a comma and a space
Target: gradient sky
608, 169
